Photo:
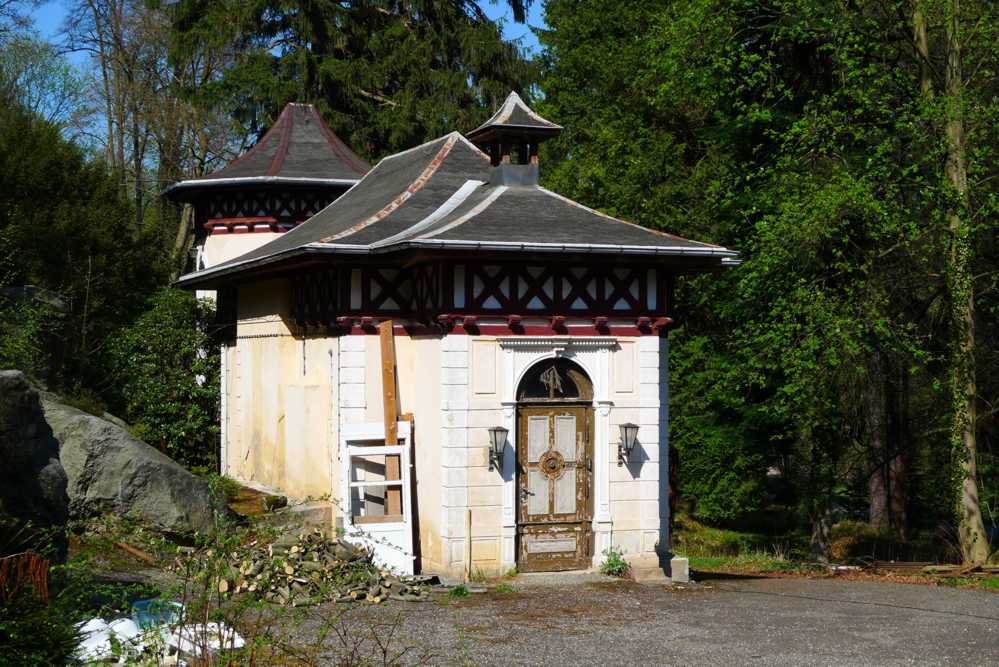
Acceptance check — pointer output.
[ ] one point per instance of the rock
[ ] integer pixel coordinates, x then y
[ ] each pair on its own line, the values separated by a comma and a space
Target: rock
110, 470
32, 480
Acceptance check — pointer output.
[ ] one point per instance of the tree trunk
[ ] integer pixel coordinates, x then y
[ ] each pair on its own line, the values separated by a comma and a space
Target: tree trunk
898, 447
821, 527
971, 529
876, 431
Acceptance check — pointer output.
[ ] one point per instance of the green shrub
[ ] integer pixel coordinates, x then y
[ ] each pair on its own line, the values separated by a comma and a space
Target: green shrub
167, 368
35, 633
459, 591
614, 564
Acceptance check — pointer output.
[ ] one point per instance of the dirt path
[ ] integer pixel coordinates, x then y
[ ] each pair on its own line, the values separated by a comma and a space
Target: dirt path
726, 621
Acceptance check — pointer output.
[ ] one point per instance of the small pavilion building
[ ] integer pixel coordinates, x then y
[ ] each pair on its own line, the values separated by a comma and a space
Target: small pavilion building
472, 368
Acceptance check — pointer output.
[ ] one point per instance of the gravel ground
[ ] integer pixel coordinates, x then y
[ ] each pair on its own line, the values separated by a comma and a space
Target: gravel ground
723, 621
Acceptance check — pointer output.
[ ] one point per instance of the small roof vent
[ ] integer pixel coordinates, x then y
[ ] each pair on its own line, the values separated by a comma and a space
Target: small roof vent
513, 128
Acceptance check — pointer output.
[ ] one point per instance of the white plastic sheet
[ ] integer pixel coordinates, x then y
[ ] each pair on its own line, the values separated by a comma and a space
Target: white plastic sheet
103, 641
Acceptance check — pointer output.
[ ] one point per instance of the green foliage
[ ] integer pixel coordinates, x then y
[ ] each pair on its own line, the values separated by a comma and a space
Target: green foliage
65, 230
384, 75
852, 539
40, 80
167, 372
503, 589
692, 538
29, 326
458, 592
806, 143
35, 633
614, 564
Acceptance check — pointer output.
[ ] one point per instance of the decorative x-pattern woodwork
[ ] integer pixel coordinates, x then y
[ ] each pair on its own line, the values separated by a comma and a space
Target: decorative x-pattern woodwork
431, 291
278, 210
487, 288
387, 290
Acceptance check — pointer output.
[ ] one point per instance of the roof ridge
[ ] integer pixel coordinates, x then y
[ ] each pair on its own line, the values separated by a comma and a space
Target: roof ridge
287, 122
401, 198
471, 213
502, 115
338, 146
446, 208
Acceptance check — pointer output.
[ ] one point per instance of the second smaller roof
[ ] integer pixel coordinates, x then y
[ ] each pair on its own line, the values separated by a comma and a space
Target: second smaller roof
298, 149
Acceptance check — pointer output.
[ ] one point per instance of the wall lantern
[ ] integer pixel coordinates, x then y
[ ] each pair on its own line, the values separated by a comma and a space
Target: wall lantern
497, 443
629, 435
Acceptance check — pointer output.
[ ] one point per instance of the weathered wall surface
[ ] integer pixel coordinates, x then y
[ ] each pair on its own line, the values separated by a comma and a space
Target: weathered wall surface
279, 411
288, 397
223, 247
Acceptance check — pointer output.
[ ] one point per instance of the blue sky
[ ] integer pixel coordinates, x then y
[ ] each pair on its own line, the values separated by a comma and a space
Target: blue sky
48, 19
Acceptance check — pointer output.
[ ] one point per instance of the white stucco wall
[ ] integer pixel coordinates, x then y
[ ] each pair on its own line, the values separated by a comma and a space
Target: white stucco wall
287, 398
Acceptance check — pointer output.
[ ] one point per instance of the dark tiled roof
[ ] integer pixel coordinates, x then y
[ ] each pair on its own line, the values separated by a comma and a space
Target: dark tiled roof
445, 195
514, 116
298, 149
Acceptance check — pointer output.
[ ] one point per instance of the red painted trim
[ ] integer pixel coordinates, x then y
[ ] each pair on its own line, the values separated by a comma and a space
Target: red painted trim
340, 148
399, 200
369, 327
282, 151
248, 220
253, 149
257, 229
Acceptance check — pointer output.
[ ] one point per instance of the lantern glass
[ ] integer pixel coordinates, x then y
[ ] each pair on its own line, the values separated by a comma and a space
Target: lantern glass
629, 435
497, 441
497, 438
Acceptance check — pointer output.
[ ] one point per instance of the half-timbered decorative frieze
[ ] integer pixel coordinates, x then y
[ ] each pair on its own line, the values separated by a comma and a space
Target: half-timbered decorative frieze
449, 293
260, 210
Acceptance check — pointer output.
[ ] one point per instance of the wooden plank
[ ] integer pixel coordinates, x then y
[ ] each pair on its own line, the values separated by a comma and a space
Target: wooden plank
386, 518
389, 399
393, 467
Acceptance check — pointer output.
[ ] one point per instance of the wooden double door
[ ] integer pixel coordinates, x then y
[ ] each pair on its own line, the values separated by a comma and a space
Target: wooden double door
554, 488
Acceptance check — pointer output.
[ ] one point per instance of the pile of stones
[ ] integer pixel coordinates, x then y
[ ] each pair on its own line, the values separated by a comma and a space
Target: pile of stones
308, 568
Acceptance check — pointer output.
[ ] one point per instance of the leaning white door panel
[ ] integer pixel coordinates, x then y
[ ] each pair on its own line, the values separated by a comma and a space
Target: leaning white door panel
368, 517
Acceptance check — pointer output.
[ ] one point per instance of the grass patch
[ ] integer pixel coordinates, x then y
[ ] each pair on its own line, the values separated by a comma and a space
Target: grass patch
693, 538
458, 592
503, 588
987, 583
759, 562
717, 549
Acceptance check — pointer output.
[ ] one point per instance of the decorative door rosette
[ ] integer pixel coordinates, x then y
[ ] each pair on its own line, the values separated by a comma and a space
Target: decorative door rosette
552, 464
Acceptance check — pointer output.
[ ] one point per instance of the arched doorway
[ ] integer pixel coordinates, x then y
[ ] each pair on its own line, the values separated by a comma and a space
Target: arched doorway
554, 467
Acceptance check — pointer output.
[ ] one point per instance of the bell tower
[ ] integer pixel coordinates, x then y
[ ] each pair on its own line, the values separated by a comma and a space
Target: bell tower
512, 135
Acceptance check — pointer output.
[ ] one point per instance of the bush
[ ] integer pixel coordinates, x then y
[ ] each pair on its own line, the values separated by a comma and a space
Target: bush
721, 468
29, 326
614, 564
852, 539
167, 368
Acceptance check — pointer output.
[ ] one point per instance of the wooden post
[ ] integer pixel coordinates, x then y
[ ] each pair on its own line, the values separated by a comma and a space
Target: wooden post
468, 544
393, 466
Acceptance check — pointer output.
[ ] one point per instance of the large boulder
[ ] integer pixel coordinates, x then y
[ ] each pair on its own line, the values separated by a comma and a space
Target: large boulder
110, 470
32, 481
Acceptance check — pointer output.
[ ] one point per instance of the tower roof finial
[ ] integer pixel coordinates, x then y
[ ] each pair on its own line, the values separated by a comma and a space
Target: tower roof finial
516, 121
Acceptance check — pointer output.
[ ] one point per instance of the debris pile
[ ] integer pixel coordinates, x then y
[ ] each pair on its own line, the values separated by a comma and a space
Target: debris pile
308, 568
